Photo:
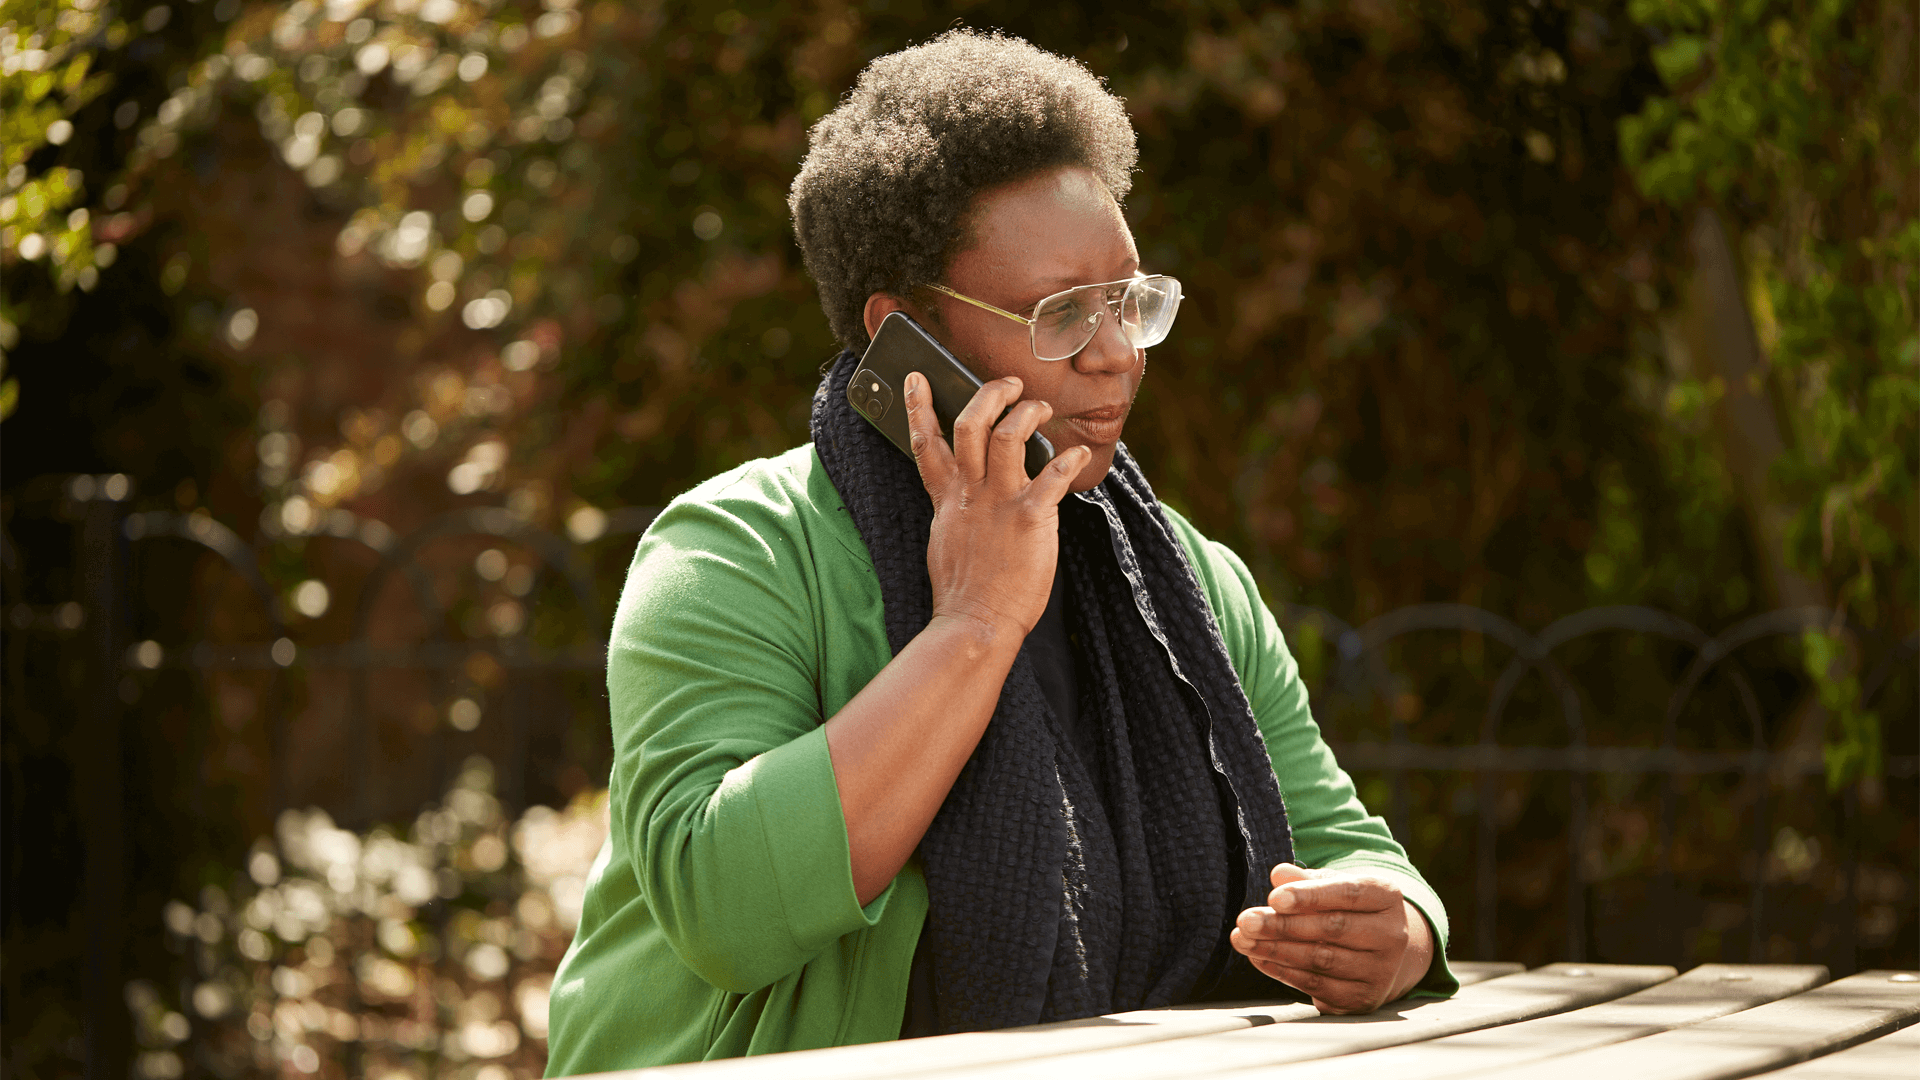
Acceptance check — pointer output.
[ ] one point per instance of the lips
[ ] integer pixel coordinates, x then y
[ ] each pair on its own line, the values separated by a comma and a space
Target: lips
1099, 425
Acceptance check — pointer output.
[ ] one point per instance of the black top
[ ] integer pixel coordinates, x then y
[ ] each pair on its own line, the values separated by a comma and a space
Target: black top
1051, 648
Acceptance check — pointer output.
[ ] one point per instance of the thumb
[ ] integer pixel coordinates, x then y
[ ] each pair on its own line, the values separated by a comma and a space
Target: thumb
1288, 872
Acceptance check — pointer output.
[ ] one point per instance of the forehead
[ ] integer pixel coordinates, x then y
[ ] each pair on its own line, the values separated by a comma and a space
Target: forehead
1055, 229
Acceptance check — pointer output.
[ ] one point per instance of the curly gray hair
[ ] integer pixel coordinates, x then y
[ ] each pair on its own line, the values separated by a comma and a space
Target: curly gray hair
882, 199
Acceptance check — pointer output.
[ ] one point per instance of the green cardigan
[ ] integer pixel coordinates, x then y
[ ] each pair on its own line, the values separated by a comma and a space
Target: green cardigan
720, 917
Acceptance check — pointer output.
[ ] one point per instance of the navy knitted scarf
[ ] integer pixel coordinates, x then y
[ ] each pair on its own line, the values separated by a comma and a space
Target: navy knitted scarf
1061, 888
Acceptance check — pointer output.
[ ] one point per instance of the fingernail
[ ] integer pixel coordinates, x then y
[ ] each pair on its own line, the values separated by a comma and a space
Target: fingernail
912, 386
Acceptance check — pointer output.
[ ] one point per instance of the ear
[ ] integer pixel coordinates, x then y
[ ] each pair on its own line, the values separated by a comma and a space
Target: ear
879, 306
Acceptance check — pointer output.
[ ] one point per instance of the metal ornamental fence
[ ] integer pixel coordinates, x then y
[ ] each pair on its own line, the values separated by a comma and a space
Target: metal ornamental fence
1726, 737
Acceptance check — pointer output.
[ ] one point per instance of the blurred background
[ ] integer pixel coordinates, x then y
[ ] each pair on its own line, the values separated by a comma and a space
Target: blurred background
1552, 363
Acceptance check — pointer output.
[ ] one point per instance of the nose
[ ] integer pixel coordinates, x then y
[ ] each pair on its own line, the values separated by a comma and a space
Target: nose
1109, 352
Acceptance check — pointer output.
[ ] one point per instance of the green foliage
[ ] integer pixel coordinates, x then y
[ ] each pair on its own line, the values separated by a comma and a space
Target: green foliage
73, 78
46, 61
1799, 116
1387, 361
1853, 746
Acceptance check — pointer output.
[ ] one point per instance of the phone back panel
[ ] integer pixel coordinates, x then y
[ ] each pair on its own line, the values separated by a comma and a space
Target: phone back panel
876, 390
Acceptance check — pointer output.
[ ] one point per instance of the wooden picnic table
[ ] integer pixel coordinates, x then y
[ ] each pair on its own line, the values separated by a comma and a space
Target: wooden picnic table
1559, 1022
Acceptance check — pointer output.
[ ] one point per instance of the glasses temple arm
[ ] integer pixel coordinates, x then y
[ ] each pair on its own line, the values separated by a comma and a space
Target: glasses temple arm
1021, 319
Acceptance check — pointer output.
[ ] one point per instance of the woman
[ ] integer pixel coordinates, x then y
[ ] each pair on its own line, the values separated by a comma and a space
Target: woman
907, 746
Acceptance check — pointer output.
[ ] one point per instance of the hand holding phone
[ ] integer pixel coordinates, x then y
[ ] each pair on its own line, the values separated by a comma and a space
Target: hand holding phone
903, 345
994, 544
995, 539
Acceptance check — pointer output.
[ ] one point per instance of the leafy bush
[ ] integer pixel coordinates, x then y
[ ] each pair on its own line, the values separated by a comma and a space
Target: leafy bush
393, 955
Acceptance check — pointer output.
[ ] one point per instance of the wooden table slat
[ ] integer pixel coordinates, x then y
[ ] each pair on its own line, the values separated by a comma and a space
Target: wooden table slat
872, 1061
1889, 1057
1551, 989
1705, 993
1475, 971
1767, 1037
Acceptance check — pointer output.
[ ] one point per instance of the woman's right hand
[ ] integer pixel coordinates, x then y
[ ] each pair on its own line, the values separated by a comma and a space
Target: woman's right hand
996, 534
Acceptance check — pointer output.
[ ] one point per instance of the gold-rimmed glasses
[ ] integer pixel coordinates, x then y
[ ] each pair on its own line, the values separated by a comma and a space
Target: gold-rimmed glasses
1062, 324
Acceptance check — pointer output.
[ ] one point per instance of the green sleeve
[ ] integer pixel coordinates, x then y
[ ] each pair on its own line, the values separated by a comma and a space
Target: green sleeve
721, 778
1331, 828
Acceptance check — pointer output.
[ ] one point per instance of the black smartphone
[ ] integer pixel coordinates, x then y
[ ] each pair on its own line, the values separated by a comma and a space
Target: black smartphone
901, 346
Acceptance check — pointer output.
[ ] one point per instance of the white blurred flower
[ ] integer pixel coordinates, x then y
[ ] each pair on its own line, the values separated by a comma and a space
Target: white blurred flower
484, 1040
556, 846
586, 524
420, 429
397, 937
299, 151
254, 945
305, 907
487, 311
212, 1000
487, 962
413, 885
371, 58
410, 238
241, 326
290, 982
569, 898
520, 356
325, 170
263, 867
530, 999
506, 618
489, 853
174, 1027
383, 977
476, 206
464, 714
311, 598
178, 917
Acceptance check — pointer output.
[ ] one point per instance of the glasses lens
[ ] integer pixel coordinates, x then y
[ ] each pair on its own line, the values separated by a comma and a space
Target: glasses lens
1065, 322
1148, 308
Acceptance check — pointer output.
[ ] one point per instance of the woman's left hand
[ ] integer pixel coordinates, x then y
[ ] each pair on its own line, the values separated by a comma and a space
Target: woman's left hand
1351, 942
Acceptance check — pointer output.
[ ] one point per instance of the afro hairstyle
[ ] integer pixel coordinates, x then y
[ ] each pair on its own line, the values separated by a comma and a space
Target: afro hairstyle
882, 199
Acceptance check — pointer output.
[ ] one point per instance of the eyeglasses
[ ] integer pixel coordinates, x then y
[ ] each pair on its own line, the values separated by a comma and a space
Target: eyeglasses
1063, 324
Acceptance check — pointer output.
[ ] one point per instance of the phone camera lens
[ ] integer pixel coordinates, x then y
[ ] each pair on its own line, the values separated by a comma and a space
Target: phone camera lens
870, 395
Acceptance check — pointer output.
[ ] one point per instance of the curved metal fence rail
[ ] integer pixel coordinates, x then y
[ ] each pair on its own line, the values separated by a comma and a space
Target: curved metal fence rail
1360, 677
1361, 673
